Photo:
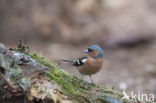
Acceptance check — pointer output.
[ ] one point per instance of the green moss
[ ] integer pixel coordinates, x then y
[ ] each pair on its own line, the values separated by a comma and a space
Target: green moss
58, 75
42, 60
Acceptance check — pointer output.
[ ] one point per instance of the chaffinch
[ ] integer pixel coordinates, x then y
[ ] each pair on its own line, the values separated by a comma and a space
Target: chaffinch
91, 63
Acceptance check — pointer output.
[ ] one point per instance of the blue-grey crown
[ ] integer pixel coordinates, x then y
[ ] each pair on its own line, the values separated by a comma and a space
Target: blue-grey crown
98, 48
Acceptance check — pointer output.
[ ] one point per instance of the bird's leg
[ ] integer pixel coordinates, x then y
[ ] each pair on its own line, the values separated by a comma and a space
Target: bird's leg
91, 79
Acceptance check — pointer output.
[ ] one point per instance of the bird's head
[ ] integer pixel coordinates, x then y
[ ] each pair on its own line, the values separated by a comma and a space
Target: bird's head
95, 51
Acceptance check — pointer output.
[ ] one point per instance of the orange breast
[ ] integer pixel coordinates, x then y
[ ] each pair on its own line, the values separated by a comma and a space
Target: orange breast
91, 66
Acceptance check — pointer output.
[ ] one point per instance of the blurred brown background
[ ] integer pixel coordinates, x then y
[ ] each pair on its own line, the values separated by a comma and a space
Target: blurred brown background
61, 29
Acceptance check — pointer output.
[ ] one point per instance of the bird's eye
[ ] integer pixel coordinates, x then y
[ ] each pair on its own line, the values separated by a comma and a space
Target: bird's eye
90, 50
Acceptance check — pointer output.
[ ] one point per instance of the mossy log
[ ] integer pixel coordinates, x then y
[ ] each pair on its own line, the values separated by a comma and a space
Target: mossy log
30, 78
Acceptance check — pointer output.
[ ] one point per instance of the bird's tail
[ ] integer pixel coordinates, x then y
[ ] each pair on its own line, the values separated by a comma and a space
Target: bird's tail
71, 61
74, 62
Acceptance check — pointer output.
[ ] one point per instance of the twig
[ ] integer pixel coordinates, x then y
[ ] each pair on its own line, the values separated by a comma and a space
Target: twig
8, 82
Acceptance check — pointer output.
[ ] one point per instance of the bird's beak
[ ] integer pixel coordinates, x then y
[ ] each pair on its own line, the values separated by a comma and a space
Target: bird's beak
86, 51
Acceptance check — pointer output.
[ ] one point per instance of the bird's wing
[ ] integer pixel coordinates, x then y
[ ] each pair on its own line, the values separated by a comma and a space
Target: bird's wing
80, 61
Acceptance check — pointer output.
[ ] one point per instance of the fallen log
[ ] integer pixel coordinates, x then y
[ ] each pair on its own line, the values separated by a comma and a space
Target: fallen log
27, 77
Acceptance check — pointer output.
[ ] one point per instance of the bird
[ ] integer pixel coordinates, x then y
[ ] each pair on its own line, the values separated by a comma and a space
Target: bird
91, 63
